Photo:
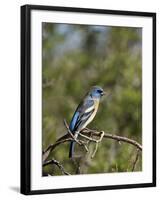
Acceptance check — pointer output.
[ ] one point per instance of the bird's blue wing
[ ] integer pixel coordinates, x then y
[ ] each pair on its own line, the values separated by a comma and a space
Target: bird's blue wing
74, 120
83, 119
81, 114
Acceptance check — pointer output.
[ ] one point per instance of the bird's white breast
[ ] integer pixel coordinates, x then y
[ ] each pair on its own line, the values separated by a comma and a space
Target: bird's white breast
95, 106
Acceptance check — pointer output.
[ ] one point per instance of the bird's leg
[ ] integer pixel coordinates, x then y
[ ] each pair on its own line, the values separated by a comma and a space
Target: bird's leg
74, 137
81, 142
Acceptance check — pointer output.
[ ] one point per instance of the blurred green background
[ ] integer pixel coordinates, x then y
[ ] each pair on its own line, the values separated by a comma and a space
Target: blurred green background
76, 57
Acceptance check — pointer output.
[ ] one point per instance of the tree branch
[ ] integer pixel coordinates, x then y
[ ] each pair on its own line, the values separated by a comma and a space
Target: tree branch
60, 166
135, 161
114, 137
88, 134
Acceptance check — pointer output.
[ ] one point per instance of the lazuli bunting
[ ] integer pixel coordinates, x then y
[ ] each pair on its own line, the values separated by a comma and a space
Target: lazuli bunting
85, 113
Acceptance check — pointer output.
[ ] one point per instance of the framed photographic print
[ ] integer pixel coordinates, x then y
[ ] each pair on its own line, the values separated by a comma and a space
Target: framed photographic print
88, 99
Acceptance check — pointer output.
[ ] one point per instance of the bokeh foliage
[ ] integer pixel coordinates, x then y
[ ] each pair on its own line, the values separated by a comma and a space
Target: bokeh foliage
76, 57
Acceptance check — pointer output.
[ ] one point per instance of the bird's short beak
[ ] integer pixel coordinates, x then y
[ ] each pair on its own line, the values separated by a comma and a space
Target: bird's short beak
103, 93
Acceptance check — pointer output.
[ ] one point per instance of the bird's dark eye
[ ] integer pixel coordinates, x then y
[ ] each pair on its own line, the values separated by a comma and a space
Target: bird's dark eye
100, 91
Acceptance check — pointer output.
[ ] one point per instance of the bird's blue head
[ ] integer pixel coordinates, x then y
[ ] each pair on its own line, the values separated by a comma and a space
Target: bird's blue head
96, 92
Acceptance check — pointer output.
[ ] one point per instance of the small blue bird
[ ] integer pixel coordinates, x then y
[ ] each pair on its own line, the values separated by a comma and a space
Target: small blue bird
85, 113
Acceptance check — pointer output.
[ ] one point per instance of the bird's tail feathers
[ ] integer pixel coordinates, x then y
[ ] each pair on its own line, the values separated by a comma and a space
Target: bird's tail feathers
71, 149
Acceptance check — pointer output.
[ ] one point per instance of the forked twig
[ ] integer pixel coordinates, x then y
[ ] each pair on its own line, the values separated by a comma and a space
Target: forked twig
97, 143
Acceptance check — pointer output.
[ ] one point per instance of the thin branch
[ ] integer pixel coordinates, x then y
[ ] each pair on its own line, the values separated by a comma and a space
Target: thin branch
135, 161
69, 131
114, 137
98, 141
55, 162
95, 150
50, 148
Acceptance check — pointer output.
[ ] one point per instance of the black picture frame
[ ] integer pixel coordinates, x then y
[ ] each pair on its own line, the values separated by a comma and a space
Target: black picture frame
26, 98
